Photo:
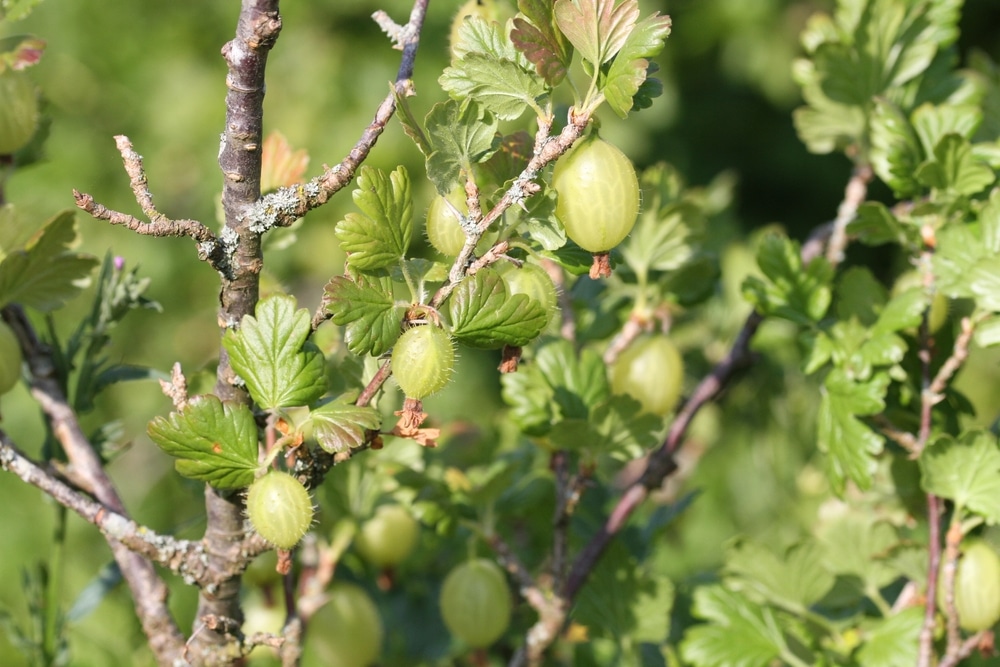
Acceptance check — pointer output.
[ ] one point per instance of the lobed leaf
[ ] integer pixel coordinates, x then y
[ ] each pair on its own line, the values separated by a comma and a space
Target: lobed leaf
739, 633
380, 235
368, 311
213, 442
966, 471
535, 35
630, 68
794, 581
596, 28
790, 291
893, 641
269, 351
484, 314
955, 169
461, 134
339, 425
850, 446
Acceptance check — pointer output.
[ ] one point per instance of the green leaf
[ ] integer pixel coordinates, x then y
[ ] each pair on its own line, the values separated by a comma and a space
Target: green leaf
859, 295
579, 382
630, 67
894, 641
876, 225
410, 125
860, 547
596, 28
380, 235
368, 310
462, 134
268, 351
15, 233
966, 471
851, 446
45, 275
213, 442
530, 399
535, 35
483, 314
339, 425
490, 70
904, 311
895, 152
739, 633
955, 169
988, 332
794, 581
661, 240
933, 123
989, 222
791, 291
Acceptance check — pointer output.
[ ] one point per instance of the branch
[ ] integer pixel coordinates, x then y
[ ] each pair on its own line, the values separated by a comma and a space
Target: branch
149, 593
209, 248
286, 205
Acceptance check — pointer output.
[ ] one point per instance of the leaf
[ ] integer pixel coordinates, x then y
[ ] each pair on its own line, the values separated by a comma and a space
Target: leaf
579, 382
876, 225
368, 311
791, 291
268, 351
739, 633
339, 425
987, 333
858, 546
530, 399
966, 471
536, 36
410, 125
850, 445
933, 123
483, 313
794, 581
596, 28
630, 68
45, 275
461, 134
896, 151
213, 442
380, 235
492, 71
955, 169
894, 641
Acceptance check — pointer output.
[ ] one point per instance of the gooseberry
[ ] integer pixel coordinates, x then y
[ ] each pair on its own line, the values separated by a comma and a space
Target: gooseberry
650, 370
346, 631
422, 360
977, 587
279, 508
389, 537
475, 602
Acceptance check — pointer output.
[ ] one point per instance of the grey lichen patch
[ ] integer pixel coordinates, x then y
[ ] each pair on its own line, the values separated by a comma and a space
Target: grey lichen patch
279, 208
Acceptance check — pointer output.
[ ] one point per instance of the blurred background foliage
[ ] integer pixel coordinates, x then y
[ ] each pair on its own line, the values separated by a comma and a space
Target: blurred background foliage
152, 71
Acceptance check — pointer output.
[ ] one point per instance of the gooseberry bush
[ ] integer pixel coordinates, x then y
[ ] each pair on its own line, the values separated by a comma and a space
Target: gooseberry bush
346, 524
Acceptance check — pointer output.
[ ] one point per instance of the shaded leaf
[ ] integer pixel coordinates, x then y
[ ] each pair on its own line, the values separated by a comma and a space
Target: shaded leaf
213, 442
894, 641
380, 235
791, 291
536, 36
739, 633
340, 425
596, 28
966, 471
794, 581
955, 169
269, 352
461, 134
850, 445
630, 68
579, 381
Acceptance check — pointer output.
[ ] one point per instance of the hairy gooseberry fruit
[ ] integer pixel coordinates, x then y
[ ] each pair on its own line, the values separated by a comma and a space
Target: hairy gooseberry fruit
475, 602
443, 229
389, 537
651, 371
18, 111
10, 358
598, 194
977, 587
534, 281
346, 631
279, 508
423, 360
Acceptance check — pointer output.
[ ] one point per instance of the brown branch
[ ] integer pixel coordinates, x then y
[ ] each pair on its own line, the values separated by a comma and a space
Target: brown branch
286, 205
149, 593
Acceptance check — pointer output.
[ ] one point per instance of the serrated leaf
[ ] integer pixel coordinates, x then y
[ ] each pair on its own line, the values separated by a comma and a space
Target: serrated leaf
966, 471
794, 581
660, 241
955, 169
894, 641
269, 352
380, 235
860, 547
213, 442
540, 223
791, 291
368, 311
535, 36
502, 87
987, 332
484, 314
859, 295
904, 311
876, 225
410, 125
849, 444
932, 123
739, 633
596, 28
15, 233
461, 134
895, 152
630, 68
45, 274
340, 425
